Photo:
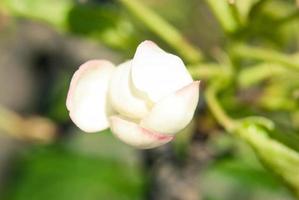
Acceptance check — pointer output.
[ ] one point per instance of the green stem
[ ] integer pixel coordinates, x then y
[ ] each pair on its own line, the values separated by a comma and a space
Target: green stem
205, 71
220, 115
256, 73
224, 14
266, 55
163, 29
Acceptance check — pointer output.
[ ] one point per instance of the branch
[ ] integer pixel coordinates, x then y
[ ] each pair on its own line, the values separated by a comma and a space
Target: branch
206, 71
163, 29
220, 115
266, 55
32, 128
224, 14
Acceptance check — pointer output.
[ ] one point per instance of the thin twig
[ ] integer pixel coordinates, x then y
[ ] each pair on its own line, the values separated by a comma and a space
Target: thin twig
33, 128
166, 31
269, 55
211, 92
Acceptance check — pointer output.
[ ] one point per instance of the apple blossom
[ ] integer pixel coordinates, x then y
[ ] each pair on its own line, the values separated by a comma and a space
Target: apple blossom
145, 101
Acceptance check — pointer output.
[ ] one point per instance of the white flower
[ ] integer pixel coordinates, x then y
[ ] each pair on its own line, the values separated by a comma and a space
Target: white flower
145, 101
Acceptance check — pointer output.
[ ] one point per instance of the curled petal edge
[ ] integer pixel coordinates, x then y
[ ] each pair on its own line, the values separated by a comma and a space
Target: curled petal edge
135, 135
174, 112
87, 102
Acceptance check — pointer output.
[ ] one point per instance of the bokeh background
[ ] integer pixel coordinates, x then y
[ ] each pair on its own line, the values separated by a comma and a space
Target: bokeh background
44, 156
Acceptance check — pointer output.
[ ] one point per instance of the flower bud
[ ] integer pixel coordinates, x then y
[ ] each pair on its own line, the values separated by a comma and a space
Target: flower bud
145, 101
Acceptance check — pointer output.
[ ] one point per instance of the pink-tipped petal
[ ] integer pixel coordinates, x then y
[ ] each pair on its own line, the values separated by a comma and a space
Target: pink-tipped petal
121, 94
132, 134
174, 112
156, 73
86, 100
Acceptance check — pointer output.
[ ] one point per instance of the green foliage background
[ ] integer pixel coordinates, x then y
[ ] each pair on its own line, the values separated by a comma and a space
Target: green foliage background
247, 55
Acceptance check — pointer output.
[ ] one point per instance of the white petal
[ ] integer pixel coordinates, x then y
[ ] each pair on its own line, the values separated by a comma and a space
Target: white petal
87, 95
132, 134
173, 113
156, 73
121, 95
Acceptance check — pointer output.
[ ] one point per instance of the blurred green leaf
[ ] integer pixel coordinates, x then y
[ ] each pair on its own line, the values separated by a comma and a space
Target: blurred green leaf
239, 175
101, 22
281, 159
55, 173
53, 12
